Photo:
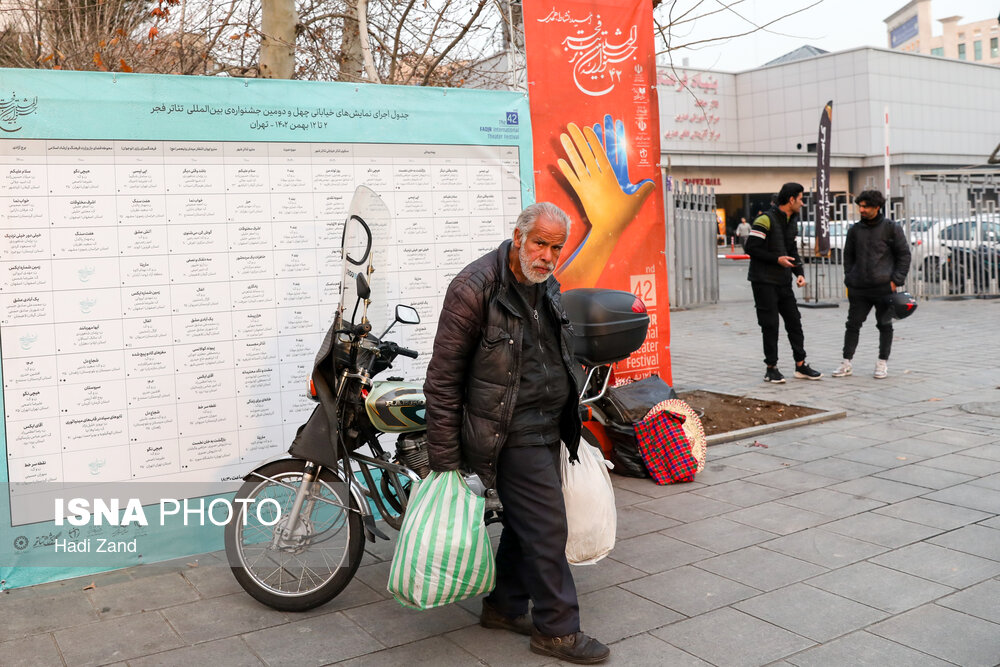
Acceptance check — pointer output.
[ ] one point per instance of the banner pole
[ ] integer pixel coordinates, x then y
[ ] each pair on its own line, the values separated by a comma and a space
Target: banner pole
821, 188
888, 182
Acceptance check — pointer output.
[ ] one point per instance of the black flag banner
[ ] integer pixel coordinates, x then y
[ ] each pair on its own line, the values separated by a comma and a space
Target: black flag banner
823, 182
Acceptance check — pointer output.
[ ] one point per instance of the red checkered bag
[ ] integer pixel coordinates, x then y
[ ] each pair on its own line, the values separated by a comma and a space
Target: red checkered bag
671, 442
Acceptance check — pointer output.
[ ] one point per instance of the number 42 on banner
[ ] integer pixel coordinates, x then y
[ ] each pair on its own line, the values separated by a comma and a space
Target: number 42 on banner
644, 287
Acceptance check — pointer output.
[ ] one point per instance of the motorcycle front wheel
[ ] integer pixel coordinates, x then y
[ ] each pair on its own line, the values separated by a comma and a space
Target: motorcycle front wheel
313, 563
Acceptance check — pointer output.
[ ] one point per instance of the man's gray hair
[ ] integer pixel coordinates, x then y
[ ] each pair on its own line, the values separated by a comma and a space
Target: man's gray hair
543, 209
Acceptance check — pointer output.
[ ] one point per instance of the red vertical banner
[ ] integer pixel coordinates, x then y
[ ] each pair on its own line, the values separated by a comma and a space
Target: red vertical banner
595, 126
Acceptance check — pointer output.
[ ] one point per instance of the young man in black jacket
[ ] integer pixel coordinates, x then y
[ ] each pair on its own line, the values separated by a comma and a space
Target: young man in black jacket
773, 260
876, 261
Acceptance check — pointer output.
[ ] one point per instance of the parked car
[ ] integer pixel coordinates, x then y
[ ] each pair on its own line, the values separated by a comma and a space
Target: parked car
950, 249
928, 258
975, 269
807, 240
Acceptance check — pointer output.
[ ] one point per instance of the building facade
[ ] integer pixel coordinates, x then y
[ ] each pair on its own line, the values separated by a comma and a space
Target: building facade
745, 134
910, 29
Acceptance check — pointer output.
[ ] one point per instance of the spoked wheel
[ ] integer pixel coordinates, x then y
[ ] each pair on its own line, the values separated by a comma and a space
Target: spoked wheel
311, 565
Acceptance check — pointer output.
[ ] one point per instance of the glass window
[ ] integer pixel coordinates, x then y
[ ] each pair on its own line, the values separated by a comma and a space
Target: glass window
962, 231
977, 49
961, 51
917, 225
994, 48
939, 51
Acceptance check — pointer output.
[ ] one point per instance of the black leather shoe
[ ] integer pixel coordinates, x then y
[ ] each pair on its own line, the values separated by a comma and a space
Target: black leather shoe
493, 619
577, 648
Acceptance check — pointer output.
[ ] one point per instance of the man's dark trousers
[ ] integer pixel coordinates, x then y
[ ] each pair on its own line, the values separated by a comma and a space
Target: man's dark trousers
531, 559
861, 302
771, 301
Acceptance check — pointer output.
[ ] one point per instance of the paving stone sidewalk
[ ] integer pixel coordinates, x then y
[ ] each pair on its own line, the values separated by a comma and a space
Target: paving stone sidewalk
870, 540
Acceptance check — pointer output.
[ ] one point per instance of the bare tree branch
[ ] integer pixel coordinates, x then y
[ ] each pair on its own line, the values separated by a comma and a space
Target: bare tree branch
458, 38
395, 41
665, 30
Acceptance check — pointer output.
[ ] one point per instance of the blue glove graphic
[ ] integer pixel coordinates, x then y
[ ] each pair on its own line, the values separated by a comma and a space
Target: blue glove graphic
612, 138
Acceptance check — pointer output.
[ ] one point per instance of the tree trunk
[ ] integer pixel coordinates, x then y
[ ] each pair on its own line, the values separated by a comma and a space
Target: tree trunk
351, 55
277, 46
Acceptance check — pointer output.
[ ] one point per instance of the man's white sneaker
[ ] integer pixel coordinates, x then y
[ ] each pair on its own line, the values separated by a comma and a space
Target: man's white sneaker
844, 369
881, 369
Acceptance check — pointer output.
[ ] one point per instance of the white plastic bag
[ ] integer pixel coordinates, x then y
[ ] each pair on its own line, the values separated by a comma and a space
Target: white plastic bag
590, 506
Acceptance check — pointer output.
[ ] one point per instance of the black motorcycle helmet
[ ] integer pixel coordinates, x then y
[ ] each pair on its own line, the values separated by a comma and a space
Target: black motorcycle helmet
901, 304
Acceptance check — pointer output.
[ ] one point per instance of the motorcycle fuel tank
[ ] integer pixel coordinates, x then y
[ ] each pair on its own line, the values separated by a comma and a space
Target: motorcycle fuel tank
397, 407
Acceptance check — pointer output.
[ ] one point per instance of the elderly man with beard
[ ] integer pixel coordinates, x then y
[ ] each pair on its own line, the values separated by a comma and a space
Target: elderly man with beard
501, 393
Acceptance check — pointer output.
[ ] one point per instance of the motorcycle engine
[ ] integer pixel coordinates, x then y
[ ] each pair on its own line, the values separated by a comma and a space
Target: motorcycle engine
411, 450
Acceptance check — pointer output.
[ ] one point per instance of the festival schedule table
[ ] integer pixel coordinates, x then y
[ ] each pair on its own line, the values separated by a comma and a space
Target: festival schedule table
161, 302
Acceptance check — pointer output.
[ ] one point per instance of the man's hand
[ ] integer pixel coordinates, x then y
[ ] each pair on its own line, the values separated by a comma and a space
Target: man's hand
800, 281
786, 261
892, 286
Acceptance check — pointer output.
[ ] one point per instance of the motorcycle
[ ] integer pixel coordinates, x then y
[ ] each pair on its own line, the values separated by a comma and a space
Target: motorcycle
297, 536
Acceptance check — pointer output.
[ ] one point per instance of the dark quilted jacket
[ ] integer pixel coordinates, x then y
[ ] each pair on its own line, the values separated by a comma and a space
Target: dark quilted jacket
473, 376
875, 253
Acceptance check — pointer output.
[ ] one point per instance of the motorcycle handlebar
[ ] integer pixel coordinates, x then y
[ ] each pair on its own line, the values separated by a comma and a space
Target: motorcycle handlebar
391, 350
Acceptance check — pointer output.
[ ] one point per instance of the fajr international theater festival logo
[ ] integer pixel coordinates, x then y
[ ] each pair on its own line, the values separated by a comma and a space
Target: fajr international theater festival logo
13, 108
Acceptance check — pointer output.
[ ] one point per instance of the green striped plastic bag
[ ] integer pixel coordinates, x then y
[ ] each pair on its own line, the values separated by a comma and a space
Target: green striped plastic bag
443, 554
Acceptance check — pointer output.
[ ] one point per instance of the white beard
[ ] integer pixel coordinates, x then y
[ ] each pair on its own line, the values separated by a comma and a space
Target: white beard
533, 275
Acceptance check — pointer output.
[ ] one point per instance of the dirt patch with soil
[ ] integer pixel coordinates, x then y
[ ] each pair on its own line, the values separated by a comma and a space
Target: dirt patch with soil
722, 413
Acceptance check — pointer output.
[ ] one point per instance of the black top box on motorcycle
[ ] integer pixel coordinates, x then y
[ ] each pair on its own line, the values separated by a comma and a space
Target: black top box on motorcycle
607, 328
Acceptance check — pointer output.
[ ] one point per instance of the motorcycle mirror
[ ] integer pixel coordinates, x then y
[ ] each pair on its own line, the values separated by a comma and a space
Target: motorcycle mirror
407, 314
364, 291
404, 314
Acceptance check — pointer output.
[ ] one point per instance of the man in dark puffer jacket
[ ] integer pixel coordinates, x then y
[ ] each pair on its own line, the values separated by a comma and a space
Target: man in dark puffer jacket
876, 261
501, 393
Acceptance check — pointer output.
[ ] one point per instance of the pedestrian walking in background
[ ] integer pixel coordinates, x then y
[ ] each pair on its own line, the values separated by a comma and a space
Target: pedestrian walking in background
742, 232
773, 261
876, 261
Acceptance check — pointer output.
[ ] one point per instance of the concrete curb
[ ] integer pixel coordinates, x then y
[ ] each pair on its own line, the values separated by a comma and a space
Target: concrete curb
753, 431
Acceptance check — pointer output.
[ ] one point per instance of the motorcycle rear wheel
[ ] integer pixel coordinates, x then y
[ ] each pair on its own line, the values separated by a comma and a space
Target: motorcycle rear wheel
322, 555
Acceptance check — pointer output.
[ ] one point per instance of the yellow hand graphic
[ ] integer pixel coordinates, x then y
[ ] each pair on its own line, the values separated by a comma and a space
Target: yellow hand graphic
609, 210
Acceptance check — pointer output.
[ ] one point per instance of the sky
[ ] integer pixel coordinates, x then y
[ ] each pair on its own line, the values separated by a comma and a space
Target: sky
832, 25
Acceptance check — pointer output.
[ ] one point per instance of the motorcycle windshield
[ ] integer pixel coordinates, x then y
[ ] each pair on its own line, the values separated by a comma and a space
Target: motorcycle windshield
364, 255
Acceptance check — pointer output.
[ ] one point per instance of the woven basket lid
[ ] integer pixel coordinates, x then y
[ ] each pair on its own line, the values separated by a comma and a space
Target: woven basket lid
692, 427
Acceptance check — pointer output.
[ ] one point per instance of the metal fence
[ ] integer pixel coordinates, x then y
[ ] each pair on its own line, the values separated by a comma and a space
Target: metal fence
691, 232
952, 220
824, 275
